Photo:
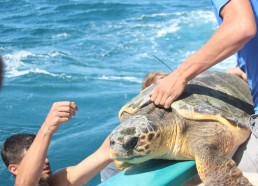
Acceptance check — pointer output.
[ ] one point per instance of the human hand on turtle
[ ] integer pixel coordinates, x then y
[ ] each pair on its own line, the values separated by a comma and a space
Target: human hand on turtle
59, 113
237, 71
168, 89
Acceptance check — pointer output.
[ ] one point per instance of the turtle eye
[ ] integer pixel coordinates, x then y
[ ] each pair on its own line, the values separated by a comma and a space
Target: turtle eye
130, 143
112, 143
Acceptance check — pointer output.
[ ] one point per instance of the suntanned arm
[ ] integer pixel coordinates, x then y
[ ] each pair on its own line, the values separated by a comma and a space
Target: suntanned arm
32, 164
237, 29
80, 174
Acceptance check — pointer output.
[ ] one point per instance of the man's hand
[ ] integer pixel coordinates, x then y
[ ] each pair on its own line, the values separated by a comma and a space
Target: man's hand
237, 71
59, 113
168, 89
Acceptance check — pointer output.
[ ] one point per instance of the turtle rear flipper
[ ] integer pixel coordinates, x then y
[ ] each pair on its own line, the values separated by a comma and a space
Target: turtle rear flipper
215, 169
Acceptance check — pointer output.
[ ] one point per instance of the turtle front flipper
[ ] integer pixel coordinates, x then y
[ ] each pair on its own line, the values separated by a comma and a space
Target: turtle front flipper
215, 169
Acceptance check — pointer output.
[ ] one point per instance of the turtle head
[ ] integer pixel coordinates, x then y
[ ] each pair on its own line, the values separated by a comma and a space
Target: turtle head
135, 140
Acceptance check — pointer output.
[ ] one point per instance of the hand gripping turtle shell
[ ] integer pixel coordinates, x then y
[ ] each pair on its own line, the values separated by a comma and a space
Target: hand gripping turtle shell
206, 124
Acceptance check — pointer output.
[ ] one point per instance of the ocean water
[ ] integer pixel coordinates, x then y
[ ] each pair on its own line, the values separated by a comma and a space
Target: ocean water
92, 52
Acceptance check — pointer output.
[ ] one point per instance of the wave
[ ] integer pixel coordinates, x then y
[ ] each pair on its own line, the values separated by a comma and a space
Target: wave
226, 64
174, 27
15, 65
126, 78
185, 18
155, 15
14, 61
202, 16
61, 35
222, 66
16, 73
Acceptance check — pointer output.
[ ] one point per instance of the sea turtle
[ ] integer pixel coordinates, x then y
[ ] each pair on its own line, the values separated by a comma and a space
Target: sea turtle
207, 123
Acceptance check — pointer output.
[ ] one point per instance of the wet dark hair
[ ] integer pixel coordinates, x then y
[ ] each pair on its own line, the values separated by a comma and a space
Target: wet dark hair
1, 71
13, 148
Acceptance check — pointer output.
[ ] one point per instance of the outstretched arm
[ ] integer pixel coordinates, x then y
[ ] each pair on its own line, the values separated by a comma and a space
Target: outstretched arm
81, 173
32, 164
237, 28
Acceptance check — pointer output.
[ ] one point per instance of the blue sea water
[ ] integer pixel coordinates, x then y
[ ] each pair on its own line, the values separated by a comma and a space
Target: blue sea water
92, 52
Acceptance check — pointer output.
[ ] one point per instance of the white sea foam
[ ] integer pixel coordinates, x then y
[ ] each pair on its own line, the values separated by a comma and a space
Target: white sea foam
144, 55
51, 54
190, 18
61, 35
226, 64
14, 66
150, 16
16, 73
55, 54
126, 78
174, 27
185, 54
230, 62
42, 71
201, 16
13, 61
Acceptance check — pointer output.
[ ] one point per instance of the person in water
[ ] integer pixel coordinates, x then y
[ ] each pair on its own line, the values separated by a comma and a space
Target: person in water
25, 155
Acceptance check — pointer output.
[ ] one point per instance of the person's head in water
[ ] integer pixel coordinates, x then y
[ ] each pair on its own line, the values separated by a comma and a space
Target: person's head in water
13, 151
1, 71
152, 77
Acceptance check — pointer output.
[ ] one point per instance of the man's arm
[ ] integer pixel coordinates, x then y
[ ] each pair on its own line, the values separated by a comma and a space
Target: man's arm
237, 28
32, 164
81, 173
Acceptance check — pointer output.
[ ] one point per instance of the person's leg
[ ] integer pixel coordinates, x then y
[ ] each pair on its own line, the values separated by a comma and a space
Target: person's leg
246, 156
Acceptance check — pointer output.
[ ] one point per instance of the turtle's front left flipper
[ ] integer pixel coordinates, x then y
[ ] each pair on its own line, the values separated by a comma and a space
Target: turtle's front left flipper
215, 169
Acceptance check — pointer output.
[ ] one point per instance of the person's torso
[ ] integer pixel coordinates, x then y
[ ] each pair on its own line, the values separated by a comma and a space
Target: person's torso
247, 57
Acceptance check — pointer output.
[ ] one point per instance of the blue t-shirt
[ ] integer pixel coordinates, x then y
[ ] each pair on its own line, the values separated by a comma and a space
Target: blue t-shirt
247, 57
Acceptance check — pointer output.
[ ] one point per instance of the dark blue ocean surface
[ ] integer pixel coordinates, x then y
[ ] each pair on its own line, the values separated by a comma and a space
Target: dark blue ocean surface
94, 53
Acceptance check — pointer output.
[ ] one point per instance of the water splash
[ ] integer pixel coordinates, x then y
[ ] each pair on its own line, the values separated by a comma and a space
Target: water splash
16, 66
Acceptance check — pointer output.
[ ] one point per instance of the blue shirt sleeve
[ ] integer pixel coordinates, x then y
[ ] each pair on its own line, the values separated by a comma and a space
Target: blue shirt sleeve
217, 6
